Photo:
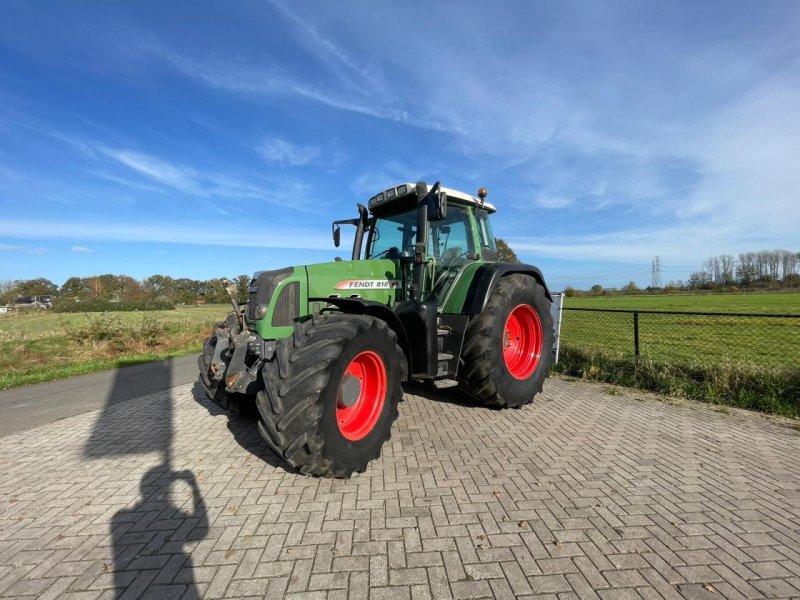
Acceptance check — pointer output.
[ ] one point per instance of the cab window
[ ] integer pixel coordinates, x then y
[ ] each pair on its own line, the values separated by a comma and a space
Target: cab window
450, 239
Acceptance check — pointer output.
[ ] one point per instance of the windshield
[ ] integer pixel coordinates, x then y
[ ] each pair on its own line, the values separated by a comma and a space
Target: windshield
449, 239
393, 235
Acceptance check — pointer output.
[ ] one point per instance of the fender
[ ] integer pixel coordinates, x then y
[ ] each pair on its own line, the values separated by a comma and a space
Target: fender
487, 276
379, 311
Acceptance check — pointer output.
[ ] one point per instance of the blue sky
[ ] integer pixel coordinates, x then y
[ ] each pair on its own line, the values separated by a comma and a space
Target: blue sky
212, 139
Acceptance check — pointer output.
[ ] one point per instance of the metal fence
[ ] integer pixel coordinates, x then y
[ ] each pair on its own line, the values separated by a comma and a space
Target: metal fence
767, 340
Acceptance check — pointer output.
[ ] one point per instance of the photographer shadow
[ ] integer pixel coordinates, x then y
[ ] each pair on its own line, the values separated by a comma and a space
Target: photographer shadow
151, 539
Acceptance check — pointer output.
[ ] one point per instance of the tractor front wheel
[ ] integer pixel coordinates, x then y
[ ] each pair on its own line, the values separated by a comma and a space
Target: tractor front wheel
508, 348
330, 394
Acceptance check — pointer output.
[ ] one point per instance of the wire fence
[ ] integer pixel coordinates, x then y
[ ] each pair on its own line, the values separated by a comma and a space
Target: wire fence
706, 338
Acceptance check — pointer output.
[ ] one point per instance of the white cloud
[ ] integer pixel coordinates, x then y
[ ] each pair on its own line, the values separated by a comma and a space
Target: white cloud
81, 249
391, 173
553, 202
277, 150
334, 56
260, 80
31, 250
687, 244
201, 183
186, 233
179, 177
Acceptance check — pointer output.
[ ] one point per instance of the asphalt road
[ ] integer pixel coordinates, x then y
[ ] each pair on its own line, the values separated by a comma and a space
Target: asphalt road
27, 407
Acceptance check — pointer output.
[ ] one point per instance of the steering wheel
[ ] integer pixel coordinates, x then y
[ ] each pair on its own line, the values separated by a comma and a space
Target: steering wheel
392, 252
451, 255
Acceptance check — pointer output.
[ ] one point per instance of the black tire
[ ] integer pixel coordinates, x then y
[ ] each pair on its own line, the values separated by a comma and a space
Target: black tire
215, 390
483, 372
298, 405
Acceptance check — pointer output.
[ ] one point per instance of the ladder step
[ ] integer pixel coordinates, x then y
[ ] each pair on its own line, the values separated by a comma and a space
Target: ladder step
445, 356
442, 332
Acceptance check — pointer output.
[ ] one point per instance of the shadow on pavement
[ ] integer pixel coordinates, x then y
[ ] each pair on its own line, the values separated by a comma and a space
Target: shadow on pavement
449, 395
244, 428
149, 537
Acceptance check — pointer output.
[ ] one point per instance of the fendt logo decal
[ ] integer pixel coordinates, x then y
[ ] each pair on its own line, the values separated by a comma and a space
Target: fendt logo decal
367, 284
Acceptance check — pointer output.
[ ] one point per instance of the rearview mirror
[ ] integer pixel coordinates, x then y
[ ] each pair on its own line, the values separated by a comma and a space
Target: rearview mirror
337, 236
437, 206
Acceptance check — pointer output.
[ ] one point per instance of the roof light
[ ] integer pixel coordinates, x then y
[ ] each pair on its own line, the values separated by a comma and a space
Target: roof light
390, 193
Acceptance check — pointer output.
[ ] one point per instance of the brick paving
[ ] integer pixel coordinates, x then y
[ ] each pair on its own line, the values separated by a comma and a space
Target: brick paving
589, 493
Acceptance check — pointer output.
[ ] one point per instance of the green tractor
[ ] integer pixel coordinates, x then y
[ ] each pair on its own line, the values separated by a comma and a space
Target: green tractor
322, 350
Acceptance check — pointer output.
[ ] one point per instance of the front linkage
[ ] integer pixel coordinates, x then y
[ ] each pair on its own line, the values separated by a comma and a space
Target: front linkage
224, 368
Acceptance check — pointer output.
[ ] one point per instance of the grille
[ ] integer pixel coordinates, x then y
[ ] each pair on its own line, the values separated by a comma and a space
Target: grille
261, 289
287, 307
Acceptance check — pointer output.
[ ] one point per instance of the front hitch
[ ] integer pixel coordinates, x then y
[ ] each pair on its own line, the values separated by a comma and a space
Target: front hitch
227, 358
233, 291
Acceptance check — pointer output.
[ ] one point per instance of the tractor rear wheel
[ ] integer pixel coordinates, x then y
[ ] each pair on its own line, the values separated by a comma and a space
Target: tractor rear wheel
330, 394
508, 348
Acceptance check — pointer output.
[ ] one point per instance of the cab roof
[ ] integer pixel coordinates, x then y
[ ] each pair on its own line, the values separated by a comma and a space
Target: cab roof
403, 190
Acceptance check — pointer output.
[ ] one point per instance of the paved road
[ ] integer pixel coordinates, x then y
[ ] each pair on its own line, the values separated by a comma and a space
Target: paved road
584, 494
26, 407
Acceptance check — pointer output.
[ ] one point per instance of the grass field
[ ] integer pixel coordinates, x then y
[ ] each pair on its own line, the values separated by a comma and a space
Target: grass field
783, 302
39, 347
747, 361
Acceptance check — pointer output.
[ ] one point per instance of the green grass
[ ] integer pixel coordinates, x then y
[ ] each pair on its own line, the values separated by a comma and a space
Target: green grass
735, 384
47, 324
779, 302
44, 347
40, 375
768, 342
753, 362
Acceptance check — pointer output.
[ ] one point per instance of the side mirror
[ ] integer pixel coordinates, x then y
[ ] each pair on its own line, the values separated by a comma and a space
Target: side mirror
337, 236
437, 206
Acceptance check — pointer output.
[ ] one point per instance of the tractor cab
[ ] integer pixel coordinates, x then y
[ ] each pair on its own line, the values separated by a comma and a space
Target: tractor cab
458, 233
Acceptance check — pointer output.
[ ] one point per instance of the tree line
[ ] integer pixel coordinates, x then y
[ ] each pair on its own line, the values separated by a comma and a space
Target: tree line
768, 268
120, 288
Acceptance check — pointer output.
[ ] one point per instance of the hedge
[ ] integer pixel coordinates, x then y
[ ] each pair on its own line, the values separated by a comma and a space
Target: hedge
102, 306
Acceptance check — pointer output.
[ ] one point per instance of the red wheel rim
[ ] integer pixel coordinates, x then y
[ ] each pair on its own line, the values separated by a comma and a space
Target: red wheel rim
522, 341
362, 393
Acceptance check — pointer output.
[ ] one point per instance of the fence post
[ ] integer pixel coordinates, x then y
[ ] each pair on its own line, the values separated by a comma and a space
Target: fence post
636, 334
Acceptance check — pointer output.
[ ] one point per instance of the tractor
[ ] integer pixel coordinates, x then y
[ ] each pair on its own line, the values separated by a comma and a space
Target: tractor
321, 350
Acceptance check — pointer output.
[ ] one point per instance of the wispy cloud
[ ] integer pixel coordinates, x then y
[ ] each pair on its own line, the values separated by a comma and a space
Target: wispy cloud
332, 54
252, 79
392, 172
81, 249
181, 178
187, 233
30, 250
211, 186
553, 202
279, 151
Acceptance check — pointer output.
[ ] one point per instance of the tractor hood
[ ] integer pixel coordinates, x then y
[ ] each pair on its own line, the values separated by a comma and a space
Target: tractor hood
278, 299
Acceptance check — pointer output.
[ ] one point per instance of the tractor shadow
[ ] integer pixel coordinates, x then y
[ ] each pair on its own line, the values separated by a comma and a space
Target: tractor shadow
448, 395
244, 428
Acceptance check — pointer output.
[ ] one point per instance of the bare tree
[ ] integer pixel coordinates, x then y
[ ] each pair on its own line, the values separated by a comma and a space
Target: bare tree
727, 262
747, 271
713, 269
774, 265
788, 264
